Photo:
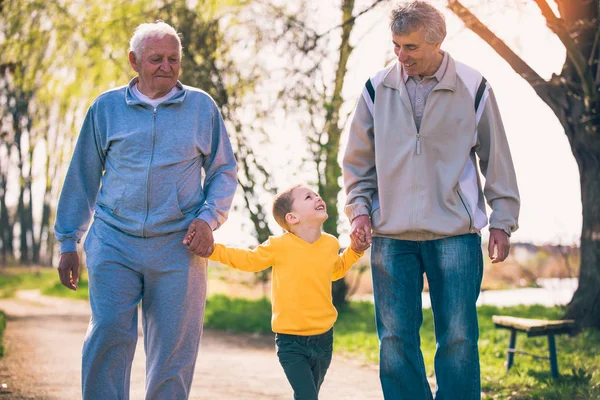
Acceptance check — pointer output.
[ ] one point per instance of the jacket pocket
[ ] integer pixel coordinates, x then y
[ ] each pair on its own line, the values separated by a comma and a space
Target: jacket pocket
466, 206
167, 204
190, 195
111, 195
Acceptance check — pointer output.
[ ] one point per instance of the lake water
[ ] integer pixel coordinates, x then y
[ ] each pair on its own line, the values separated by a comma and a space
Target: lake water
552, 292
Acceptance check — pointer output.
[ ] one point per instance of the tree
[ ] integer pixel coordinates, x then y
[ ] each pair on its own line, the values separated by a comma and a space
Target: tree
317, 76
25, 68
573, 97
211, 63
54, 59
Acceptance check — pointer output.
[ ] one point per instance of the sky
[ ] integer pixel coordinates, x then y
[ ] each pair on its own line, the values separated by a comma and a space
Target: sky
547, 173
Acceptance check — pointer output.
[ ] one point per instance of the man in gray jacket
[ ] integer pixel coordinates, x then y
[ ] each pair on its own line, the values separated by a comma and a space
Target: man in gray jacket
421, 127
138, 168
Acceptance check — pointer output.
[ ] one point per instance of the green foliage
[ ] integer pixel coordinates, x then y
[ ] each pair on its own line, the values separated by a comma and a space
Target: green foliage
238, 315
15, 279
58, 290
355, 331
43, 279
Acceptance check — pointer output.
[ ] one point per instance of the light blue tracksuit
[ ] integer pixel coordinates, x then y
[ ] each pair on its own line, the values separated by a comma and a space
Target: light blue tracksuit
139, 169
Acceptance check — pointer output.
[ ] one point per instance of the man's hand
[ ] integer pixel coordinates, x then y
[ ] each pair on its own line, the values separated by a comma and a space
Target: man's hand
68, 269
360, 233
199, 238
499, 245
359, 241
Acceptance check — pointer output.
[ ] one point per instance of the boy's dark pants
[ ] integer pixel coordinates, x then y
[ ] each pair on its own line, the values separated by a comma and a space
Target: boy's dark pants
305, 360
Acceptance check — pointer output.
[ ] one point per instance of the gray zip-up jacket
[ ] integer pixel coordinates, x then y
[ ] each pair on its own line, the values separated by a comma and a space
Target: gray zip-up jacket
424, 185
139, 168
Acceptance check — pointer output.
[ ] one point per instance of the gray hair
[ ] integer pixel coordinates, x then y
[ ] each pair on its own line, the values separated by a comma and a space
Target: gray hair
410, 17
158, 30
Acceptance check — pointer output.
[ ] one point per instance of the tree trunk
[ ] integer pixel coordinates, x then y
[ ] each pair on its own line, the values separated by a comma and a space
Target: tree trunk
332, 168
6, 237
573, 97
35, 245
585, 305
21, 215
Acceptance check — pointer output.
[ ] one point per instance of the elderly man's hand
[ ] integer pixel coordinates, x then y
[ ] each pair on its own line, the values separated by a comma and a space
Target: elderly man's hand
359, 241
199, 238
499, 245
361, 230
68, 269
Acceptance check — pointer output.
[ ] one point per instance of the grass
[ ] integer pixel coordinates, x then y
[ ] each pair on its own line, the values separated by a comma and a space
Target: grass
355, 336
44, 279
233, 314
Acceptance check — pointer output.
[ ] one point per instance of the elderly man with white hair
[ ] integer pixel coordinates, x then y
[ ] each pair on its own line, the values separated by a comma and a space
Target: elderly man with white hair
138, 169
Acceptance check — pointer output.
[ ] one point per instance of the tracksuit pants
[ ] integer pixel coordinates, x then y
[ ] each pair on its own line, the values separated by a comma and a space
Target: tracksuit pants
170, 283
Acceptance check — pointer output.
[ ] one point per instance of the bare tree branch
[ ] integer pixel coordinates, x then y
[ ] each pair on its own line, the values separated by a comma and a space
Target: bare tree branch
516, 62
352, 19
557, 26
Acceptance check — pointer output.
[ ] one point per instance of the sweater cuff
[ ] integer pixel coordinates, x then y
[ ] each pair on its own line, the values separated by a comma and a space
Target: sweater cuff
68, 245
356, 210
503, 227
206, 216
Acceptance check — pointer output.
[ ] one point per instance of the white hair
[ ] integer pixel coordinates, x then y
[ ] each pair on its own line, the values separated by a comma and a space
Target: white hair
158, 29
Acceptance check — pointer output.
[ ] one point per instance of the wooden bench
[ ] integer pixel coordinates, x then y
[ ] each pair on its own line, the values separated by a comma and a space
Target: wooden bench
533, 327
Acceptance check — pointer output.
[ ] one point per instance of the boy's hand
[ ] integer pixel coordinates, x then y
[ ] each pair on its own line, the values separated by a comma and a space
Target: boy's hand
359, 241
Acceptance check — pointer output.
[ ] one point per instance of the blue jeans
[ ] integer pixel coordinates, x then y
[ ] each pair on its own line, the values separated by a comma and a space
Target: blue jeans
454, 268
305, 360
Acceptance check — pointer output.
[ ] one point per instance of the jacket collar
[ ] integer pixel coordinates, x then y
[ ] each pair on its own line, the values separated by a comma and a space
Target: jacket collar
132, 100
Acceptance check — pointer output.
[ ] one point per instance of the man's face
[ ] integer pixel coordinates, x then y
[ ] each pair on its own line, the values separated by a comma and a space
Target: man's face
308, 206
157, 66
416, 55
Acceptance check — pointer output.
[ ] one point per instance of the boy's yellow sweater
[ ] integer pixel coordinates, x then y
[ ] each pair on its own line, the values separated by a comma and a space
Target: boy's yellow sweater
301, 278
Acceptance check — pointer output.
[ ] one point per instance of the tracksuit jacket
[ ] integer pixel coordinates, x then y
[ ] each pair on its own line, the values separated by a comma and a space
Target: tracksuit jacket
139, 169
424, 184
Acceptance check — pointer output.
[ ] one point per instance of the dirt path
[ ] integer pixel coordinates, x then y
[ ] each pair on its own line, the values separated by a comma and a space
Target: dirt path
42, 359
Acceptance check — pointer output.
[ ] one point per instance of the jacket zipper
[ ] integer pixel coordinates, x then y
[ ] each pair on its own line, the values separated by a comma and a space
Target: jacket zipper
418, 143
148, 175
466, 209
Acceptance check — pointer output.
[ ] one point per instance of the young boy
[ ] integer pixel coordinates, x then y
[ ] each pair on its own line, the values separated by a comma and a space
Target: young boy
305, 260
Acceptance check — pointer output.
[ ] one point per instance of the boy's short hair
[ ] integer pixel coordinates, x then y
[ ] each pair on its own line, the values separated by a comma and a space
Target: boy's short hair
282, 204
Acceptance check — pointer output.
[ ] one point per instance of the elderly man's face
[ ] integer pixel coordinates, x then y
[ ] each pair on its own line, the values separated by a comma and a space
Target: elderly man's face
416, 55
157, 66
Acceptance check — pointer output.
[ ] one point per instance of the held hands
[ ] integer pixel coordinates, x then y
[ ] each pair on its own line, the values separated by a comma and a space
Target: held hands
499, 245
68, 269
360, 234
199, 238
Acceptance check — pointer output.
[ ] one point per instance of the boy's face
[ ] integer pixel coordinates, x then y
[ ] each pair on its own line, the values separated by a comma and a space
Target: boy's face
307, 207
